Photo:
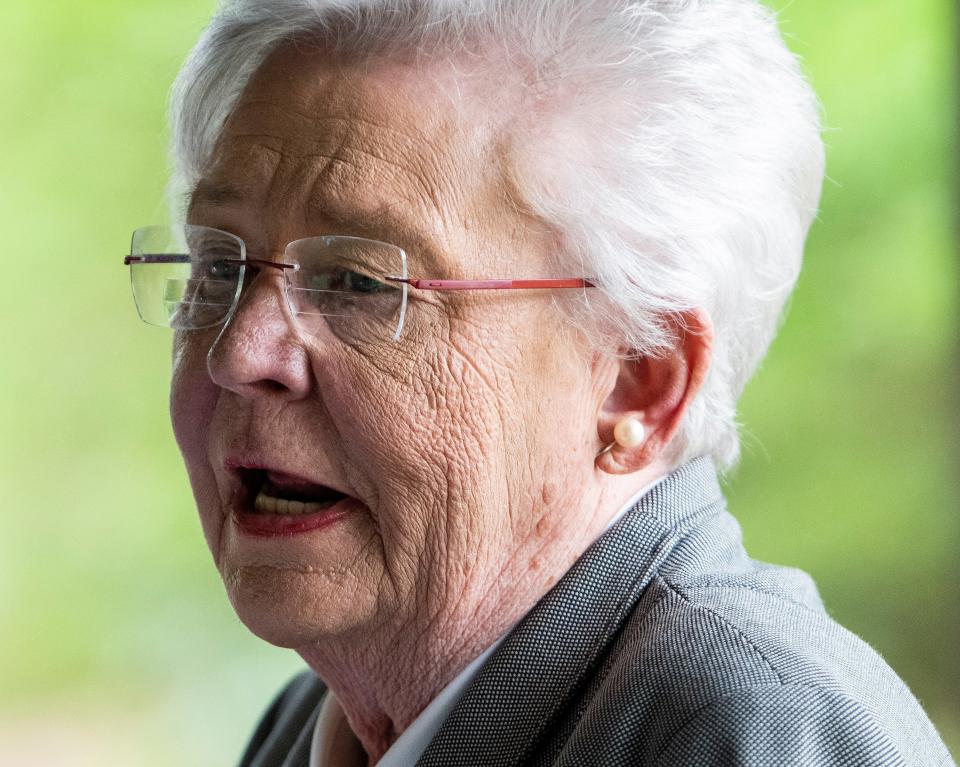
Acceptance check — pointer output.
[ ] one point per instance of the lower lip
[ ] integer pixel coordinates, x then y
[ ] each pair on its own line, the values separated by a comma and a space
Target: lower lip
277, 525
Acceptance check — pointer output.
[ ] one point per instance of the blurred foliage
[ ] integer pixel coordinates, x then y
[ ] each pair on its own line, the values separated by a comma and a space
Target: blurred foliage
118, 645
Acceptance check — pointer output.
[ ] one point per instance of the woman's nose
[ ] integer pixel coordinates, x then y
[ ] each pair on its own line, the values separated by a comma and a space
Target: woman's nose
259, 350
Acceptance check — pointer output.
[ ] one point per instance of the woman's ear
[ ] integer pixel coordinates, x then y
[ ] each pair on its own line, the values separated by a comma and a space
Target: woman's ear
656, 391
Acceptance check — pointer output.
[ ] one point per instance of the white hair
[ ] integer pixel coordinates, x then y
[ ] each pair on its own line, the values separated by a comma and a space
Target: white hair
677, 158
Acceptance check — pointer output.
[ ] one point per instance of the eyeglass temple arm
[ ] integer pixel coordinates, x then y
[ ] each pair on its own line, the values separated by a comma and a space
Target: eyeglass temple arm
156, 258
540, 284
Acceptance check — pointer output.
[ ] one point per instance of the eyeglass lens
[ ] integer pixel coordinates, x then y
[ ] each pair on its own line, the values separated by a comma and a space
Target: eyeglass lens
190, 277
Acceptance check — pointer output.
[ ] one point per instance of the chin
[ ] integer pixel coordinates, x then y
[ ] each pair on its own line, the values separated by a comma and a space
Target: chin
292, 608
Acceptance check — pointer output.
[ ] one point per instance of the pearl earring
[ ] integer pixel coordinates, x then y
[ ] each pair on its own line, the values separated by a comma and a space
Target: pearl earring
629, 432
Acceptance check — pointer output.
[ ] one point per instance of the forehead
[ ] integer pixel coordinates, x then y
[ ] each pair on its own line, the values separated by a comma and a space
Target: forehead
371, 148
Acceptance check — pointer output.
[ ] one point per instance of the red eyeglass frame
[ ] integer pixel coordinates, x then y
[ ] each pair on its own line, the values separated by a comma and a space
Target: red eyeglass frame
534, 284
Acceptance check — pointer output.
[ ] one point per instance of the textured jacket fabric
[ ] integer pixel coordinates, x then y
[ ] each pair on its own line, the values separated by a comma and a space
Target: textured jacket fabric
664, 645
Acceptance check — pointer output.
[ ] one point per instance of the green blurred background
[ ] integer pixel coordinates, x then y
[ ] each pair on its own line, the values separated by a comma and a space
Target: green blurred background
117, 644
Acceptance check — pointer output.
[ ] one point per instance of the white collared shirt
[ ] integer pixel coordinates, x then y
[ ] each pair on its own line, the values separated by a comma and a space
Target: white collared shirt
335, 745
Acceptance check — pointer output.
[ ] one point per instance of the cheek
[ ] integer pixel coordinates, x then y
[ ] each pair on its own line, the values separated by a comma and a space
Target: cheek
410, 427
192, 399
375, 409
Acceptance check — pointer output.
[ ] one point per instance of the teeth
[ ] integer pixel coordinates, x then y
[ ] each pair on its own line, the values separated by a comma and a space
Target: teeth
267, 504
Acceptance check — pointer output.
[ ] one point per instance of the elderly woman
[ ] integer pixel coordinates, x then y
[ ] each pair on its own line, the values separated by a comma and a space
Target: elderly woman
464, 299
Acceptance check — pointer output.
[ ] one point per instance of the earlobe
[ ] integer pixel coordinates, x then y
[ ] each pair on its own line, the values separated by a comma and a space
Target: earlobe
643, 409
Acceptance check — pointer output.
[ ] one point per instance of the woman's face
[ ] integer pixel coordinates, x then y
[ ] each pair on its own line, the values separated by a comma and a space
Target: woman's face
466, 445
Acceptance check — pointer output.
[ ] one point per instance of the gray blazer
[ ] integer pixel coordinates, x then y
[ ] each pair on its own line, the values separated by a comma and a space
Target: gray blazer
664, 645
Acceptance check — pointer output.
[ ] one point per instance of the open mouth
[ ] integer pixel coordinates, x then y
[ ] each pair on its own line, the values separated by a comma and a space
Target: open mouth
272, 504
268, 492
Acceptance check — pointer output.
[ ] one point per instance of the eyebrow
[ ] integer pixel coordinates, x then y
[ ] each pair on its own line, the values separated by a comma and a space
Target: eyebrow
211, 193
208, 193
371, 222
384, 224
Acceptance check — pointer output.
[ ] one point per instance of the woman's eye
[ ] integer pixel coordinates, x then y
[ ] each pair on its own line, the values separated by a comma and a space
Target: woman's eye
222, 269
355, 282
360, 283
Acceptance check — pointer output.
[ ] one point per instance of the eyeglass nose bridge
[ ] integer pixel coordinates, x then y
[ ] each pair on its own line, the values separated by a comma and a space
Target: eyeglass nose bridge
256, 265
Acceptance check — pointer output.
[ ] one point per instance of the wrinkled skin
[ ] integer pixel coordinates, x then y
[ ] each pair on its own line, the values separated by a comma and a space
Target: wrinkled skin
472, 442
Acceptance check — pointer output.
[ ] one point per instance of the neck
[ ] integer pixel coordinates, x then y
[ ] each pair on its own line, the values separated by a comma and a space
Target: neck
383, 685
